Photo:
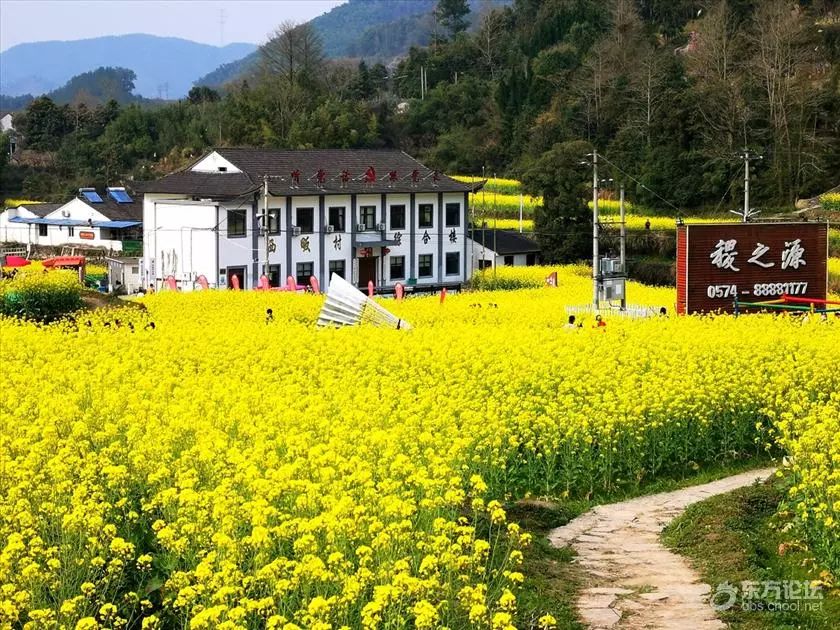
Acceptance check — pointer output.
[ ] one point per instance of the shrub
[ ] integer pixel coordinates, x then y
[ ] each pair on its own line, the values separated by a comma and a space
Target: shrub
43, 296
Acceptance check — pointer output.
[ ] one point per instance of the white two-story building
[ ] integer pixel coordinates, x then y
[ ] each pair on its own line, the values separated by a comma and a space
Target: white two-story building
366, 215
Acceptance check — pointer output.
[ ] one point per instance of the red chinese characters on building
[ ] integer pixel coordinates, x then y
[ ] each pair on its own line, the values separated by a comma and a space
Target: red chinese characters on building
719, 263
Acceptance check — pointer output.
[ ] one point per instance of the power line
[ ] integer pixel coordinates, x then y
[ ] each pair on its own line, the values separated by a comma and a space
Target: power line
628, 175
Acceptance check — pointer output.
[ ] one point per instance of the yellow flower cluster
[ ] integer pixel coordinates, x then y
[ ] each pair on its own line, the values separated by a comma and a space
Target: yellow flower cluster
808, 432
219, 471
36, 266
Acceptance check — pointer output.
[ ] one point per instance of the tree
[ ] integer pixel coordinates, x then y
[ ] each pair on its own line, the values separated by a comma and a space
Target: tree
294, 54
202, 94
563, 224
453, 15
44, 124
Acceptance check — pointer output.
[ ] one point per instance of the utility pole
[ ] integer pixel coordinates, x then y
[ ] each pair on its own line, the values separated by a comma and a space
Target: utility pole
595, 274
623, 245
521, 207
746, 185
747, 213
495, 229
266, 229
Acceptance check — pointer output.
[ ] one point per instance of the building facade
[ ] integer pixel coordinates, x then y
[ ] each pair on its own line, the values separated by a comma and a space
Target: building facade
367, 215
110, 221
491, 248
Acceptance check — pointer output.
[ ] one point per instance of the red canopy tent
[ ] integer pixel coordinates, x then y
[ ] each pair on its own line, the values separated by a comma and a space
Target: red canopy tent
64, 261
16, 261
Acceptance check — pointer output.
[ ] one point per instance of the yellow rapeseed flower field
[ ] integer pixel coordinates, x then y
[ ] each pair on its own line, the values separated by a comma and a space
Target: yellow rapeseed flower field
194, 466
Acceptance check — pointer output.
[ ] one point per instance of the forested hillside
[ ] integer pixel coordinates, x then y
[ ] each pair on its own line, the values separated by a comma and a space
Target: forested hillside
669, 92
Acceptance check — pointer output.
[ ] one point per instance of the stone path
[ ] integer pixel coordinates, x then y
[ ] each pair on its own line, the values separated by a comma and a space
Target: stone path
634, 581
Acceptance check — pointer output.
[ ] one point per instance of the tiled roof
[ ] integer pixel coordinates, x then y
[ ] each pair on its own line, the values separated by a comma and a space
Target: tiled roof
504, 241
224, 185
120, 211
41, 209
279, 164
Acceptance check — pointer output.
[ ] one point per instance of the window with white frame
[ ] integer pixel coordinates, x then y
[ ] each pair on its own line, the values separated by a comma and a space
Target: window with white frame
236, 223
337, 215
426, 211
304, 270
306, 220
453, 263
424, 266
398, 217
367, 215
397, 267
453, 214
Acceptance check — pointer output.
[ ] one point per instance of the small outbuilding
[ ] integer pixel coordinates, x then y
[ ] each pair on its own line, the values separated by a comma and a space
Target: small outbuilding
502, 247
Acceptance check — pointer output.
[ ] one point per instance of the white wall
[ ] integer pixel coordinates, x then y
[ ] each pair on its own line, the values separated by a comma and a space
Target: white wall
212, 163
17, 232
57, 235
519, 260
6, 124
78, 210
184, 243
127, 272
178, 240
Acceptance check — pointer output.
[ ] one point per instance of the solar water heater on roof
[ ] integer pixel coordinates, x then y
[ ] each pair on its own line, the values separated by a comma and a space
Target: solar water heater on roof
119, 195
92, 196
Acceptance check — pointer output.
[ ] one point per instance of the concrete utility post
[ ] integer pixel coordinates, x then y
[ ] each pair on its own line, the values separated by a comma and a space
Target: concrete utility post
595, 274
747, 213
623, 245
746, 185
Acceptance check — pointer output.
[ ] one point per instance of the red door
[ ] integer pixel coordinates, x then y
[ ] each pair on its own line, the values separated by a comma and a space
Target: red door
367, 271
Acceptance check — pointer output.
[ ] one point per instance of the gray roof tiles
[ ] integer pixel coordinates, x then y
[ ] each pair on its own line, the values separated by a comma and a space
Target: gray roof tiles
280, 164
504, 241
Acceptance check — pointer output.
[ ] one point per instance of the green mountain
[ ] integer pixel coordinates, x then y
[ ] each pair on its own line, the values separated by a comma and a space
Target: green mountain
372, 29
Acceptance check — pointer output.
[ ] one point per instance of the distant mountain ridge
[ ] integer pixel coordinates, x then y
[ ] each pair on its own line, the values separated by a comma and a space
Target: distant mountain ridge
371, 29
165, 66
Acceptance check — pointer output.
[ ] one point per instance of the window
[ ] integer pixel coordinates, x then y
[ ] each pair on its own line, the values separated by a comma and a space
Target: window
453, 214
304, 271
239, 273
338, 267
274, 275
425, 266
306, 221
236, 223
397, 217
485, 264
42, 230
367, 216
426, 211
337, 219
274, 220
453, 263
508, 261
397, 267
530, 259
71, 231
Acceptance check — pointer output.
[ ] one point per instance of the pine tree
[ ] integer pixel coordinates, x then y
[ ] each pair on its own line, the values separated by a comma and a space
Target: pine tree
453, 15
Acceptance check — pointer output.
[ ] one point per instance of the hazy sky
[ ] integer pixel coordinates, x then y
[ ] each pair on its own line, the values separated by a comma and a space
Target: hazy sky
199, 20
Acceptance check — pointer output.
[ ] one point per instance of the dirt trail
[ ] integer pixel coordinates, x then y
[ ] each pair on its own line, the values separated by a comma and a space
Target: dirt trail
633, 580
